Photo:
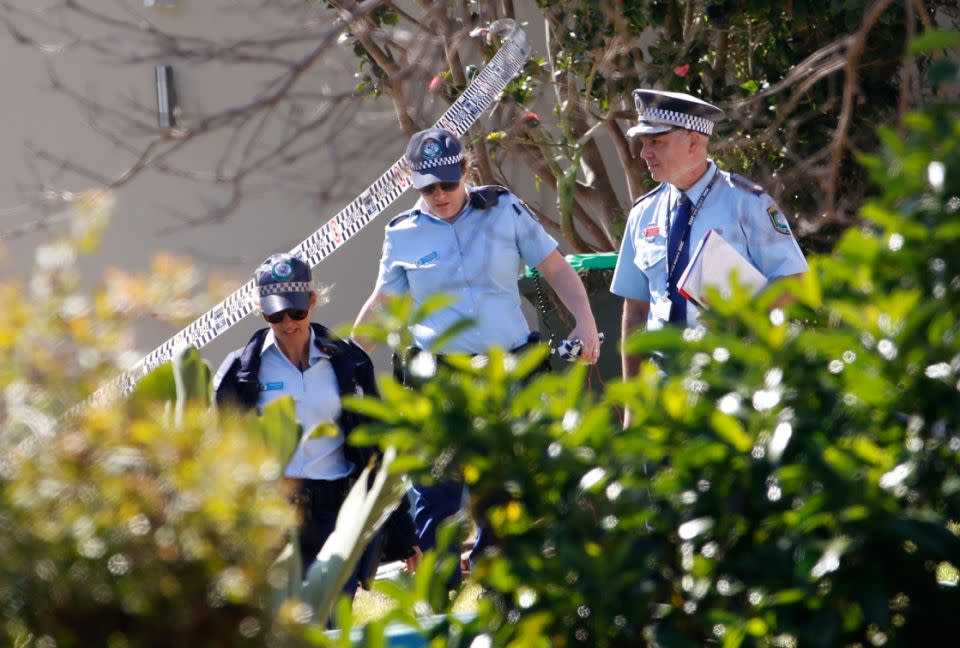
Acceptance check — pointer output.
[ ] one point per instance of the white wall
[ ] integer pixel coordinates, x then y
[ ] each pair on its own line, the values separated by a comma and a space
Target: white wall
275, 214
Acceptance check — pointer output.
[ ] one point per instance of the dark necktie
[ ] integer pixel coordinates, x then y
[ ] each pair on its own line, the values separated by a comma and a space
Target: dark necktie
679, 231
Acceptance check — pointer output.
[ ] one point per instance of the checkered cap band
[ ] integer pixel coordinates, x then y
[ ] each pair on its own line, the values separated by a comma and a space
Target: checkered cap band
673, 118
285, 287
437, 162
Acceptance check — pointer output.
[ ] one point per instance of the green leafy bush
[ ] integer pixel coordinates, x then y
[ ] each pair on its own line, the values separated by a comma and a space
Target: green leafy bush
154, 522
790, 479
122, 530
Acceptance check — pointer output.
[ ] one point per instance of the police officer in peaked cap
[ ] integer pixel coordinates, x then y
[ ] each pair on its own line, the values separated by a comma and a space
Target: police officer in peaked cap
468, 241
694, 197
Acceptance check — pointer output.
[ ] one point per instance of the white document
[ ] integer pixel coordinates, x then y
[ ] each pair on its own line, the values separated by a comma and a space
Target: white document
712, 265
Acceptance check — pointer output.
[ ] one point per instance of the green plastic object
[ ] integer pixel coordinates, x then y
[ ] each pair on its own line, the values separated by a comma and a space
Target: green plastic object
581, 262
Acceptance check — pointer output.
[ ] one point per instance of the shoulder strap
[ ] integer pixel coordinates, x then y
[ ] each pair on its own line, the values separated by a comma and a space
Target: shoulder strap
746, 184
401, 217
486, 196
648, 194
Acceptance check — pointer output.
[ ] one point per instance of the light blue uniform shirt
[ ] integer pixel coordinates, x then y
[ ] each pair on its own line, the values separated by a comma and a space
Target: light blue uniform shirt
738, 209
475, 259
316, 398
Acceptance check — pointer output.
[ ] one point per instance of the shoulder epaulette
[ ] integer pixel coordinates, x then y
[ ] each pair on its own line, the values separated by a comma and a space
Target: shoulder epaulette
407, 214
486, 196
746, 184
521, 208
648, 194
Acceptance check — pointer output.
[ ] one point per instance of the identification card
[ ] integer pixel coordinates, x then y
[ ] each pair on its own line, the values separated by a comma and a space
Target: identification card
661, 309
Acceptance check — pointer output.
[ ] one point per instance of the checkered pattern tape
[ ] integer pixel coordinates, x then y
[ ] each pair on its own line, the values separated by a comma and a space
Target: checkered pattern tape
437, 162
478, 96
285, 287
673, 118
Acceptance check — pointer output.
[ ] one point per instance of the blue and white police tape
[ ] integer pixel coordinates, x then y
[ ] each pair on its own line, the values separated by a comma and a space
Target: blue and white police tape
483, 91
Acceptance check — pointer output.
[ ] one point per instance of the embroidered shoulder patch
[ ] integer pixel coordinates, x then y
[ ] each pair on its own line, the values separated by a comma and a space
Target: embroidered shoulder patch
746, 184
778, 219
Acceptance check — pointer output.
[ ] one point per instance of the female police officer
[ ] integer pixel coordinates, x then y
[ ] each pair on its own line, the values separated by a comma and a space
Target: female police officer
295, 357
468, 242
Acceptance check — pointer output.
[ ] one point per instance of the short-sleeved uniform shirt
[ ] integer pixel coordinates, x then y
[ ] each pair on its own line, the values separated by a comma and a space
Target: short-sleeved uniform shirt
316, 399
475, 258
738, 209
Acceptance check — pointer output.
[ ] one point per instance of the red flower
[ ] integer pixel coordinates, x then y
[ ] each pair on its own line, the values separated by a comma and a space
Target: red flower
530, 119
435, 84
682, 70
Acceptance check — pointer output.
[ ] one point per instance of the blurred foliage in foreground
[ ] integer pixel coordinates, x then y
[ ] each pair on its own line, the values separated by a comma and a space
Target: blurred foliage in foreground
791, 480
155, 522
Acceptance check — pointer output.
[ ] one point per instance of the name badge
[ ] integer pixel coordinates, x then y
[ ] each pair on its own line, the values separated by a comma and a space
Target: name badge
651, 231
271, 386
427, 259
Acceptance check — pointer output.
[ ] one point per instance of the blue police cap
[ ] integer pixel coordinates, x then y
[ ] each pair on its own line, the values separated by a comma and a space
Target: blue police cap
283, 281
434, 155
661, 112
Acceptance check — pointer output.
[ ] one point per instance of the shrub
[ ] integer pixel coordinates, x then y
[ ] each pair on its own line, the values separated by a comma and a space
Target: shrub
790, 479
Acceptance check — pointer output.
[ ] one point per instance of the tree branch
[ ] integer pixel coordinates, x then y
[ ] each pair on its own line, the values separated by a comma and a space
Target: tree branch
627, 161
849, 93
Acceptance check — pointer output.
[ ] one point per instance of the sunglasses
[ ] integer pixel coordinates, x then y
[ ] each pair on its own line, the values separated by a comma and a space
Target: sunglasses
296, 314
447, 187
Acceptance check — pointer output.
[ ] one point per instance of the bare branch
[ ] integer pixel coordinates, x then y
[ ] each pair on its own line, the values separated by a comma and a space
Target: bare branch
627, 161
849, 93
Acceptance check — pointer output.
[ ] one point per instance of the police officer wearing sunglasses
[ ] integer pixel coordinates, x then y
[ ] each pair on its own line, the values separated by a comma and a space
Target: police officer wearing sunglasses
468, 242
304, 360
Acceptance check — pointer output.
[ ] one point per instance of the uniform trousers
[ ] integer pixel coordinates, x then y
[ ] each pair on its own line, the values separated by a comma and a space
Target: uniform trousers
441, 500
318, 503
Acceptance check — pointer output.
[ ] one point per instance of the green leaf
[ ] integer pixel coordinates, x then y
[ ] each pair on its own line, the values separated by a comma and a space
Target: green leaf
934, 39
286, 576
380, 410
279, 428
731, 430
192, 379
158, 385
362, 514
454, 330
786, 597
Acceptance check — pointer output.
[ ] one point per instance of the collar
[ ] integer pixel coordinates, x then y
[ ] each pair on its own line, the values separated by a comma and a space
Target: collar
315, 352
697, 188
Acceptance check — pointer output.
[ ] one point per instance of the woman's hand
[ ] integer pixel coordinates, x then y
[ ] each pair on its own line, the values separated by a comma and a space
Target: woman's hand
411, 563
589, 341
